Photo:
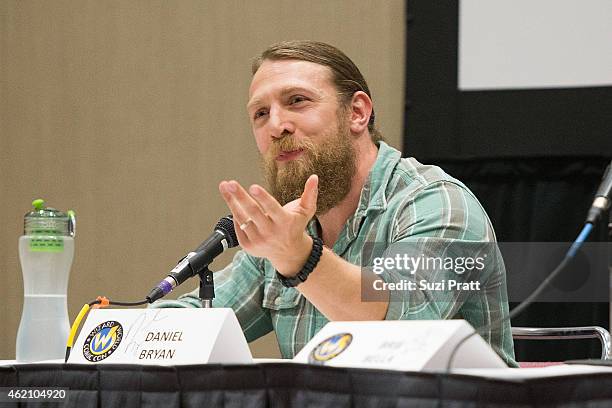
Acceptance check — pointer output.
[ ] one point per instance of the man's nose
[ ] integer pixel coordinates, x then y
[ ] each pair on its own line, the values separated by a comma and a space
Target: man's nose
280, 123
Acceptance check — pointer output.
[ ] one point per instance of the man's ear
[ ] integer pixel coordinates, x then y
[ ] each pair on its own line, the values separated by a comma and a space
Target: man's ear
360, 112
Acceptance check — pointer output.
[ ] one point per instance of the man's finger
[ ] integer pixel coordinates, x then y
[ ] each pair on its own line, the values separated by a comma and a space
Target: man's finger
243, 239
308, 201
267, 202
251, 207
243, 225
240, 215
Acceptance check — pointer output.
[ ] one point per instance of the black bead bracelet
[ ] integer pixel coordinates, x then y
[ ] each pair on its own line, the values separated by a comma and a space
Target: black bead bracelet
311, 263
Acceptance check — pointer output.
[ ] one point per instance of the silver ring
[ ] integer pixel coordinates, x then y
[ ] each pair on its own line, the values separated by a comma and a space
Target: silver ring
246, 224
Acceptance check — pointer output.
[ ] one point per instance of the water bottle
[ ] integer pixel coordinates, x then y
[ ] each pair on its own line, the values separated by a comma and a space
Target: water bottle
46, 250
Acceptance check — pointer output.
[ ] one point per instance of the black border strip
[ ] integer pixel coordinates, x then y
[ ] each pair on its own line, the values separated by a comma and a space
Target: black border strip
431, 76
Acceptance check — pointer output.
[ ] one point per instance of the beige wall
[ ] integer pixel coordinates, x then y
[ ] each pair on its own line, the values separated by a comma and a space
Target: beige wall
131, 112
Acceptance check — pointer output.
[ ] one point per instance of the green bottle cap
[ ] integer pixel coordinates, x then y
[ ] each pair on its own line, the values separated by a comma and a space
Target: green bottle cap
38, 204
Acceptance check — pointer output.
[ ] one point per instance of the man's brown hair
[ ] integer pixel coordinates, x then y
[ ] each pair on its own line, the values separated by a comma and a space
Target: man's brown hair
345, 75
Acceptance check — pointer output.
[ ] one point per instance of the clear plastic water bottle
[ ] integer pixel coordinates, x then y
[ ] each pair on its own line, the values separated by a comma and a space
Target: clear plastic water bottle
46, 250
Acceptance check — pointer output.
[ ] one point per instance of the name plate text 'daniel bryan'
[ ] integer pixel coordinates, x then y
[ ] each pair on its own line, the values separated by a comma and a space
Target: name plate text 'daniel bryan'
161, 337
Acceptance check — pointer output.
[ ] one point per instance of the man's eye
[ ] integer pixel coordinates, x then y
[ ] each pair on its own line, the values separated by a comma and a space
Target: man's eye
297, 99
259, 114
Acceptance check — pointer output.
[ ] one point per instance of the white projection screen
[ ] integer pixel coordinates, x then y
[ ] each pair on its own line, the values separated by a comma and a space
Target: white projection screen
531, 44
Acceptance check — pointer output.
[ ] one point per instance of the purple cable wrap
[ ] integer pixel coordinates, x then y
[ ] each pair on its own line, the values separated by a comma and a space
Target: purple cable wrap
165, 286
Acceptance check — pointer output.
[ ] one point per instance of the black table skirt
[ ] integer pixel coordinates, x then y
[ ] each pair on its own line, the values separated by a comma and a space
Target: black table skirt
287, 384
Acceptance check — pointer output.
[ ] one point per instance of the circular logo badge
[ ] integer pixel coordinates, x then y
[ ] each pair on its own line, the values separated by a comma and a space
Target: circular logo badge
330, 348
102, 341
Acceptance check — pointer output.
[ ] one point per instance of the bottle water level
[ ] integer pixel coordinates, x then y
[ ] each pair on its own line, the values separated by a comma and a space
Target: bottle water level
44, 329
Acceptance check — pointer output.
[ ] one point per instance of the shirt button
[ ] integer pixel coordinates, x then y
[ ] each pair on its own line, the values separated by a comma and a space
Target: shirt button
277, 301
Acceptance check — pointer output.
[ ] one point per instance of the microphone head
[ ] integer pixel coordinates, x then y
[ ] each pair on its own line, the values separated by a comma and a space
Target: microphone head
605, 188
226, 225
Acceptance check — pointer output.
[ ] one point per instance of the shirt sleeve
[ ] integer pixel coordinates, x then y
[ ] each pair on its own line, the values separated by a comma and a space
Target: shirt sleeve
446, 230
440, 221
238, 286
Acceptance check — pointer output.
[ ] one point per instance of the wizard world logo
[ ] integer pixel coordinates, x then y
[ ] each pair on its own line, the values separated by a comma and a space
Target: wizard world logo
330, 348
102, 341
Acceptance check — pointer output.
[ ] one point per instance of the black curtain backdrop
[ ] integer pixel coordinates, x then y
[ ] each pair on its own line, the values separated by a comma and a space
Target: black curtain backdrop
534, 158
541, 200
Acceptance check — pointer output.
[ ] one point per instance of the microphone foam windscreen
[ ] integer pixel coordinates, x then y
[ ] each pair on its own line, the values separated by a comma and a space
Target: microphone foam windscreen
226, 224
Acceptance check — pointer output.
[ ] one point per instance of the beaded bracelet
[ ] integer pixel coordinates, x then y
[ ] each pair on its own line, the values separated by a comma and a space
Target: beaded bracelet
311, 263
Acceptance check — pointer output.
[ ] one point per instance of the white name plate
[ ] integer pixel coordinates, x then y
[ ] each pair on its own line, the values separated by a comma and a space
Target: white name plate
406, 345
164, 336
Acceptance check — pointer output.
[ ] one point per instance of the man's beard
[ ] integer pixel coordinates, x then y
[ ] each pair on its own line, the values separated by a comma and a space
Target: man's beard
333, 160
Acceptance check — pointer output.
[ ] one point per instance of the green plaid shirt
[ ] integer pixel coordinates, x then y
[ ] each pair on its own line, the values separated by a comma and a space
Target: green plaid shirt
402, 202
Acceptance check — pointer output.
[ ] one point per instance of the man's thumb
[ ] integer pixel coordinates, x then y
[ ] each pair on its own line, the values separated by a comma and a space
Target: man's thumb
309, 197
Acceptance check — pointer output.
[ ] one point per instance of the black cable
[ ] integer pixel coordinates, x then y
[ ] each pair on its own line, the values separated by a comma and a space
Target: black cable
115, 303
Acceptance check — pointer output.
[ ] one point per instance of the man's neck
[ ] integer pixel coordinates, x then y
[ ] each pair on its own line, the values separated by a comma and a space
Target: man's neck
333, 220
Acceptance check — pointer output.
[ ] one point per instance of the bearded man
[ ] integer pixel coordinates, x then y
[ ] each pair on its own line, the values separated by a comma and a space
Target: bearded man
335, 187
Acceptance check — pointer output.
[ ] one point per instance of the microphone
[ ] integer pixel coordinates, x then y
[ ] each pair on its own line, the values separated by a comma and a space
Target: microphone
222, 238
602, 197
